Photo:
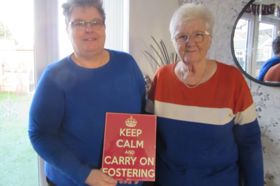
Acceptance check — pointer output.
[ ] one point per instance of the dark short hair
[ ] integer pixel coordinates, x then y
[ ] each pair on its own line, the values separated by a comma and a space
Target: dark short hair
69, 5
276, 45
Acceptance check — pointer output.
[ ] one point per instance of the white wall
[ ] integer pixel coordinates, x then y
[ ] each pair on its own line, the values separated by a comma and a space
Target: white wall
151, 17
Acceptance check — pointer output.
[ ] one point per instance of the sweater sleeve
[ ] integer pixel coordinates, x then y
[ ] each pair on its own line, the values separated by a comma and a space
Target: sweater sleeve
250, 153
45, 123
248, 137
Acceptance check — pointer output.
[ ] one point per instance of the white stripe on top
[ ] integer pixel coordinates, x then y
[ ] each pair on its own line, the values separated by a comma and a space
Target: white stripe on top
204, 115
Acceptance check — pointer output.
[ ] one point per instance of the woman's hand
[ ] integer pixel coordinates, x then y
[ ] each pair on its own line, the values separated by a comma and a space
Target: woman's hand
97, 178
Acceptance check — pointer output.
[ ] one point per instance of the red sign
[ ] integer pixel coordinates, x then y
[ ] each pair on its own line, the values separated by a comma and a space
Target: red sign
130, 146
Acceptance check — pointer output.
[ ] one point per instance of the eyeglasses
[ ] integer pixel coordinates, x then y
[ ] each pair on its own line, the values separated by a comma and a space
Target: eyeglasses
197, 37
82, 24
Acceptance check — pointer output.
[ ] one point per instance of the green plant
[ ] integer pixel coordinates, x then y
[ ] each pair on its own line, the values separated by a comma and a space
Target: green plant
159, 55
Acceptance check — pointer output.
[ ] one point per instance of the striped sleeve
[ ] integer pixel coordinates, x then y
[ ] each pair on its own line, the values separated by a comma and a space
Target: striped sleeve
248, 136
244, 108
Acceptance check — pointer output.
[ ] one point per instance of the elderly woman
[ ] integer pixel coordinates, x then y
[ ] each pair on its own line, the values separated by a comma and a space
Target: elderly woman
208, 133
67, 114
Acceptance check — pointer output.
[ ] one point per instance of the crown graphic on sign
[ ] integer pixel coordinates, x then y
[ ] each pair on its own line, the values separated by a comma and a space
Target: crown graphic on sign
130, 122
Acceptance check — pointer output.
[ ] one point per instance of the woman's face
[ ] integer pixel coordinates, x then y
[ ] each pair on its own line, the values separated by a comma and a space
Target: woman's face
192, 41
86, 30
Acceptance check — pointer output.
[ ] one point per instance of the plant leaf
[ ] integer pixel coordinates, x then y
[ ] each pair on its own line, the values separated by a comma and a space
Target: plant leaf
165, 52
160, 50
157, 53
152, 57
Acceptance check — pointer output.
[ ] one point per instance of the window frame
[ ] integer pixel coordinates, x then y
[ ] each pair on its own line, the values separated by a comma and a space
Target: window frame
252, 40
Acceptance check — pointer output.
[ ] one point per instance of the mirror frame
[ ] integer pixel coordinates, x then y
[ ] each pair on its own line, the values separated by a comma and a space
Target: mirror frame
233, 53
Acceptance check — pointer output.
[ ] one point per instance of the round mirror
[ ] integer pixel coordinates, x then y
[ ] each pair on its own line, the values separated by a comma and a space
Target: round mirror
254, 31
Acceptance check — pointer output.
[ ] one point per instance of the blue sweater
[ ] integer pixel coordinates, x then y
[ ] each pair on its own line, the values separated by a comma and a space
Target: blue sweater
67, 114
267, 65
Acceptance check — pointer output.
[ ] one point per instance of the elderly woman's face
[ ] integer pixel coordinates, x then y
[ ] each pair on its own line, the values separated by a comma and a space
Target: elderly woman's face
192, 41
86, 30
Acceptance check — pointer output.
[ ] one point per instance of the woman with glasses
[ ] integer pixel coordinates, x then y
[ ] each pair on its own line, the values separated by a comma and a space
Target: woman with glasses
208, 133
67, 114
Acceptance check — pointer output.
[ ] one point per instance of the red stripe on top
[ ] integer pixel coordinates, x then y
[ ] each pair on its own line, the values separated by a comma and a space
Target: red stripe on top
225, 89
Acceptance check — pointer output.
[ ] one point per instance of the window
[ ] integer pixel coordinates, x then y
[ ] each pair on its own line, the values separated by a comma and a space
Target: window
264, 49
240, 41
253, 41
16, 85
